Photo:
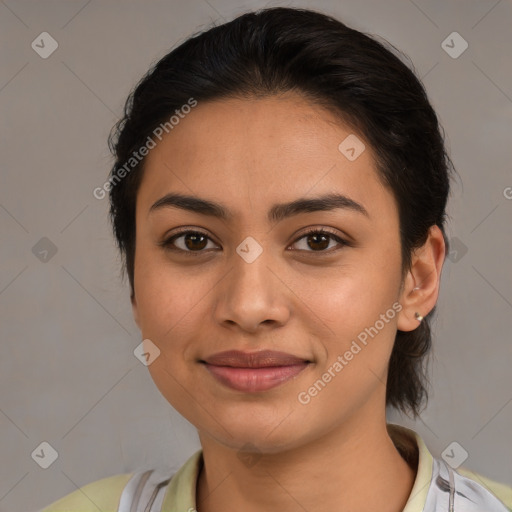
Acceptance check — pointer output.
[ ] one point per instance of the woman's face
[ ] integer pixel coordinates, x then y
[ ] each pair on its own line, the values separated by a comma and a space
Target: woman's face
256, 281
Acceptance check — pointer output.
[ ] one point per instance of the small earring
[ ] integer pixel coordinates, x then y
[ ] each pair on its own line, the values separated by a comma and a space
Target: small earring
417, 288
418, 317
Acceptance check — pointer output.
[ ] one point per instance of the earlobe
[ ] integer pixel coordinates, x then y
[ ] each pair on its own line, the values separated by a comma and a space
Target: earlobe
421, 286
411, 300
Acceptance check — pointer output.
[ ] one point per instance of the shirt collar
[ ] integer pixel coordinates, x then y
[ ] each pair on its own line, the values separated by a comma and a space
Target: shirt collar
412, 448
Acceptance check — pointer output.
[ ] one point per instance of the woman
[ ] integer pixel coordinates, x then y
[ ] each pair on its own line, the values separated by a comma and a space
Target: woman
279, 198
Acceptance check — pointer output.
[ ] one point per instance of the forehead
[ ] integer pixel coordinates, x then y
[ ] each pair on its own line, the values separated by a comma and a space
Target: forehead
261, 151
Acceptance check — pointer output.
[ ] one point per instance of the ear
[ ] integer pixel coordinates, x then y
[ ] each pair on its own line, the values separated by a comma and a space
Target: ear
135, 310
420, 289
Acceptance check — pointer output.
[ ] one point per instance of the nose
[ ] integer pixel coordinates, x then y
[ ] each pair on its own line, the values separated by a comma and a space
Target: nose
253, 294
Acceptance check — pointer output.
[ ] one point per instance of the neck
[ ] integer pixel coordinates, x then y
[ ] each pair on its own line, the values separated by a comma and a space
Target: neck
350, 468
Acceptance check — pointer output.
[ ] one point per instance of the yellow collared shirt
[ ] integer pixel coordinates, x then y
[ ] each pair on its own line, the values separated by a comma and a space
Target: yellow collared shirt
436, 487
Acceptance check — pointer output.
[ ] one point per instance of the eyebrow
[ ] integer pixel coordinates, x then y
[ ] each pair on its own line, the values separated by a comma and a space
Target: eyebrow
276, 213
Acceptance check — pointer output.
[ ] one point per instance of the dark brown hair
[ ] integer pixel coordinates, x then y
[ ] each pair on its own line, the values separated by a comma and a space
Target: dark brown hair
363, 81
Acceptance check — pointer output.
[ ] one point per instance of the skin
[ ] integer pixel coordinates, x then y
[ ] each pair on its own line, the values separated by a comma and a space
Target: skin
295, 297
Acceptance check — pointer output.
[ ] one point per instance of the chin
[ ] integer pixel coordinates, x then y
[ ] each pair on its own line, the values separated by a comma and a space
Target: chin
256, 434
255, 442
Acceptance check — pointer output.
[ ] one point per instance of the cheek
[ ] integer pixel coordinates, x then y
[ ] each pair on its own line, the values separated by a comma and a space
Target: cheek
352, 296
359, 327
171, 313
168, 297
356, 305
357, 323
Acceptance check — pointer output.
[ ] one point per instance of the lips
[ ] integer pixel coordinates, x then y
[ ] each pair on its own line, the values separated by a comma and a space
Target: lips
261, 359
254, 371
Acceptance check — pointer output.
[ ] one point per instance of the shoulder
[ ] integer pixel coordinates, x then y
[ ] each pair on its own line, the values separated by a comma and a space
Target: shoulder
502, 491
101, 495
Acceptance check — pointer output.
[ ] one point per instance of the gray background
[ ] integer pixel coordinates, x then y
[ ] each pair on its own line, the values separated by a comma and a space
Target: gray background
68, 375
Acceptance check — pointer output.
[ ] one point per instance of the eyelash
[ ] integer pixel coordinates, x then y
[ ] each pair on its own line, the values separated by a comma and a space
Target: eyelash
168, 243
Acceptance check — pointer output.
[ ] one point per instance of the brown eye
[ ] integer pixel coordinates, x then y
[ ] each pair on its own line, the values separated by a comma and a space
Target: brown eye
187, 242
318, 240
195, 241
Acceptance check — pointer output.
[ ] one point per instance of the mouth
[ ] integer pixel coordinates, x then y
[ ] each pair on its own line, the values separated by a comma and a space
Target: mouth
256, 371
